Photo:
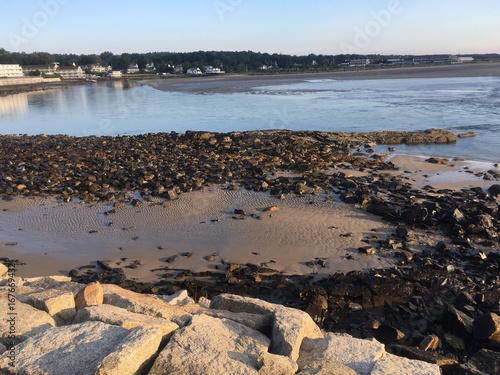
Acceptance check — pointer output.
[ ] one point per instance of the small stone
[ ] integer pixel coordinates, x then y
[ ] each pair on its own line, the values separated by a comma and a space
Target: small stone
430, 342
367, 250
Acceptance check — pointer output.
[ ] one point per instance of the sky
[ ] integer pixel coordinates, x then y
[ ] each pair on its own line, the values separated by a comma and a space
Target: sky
295, 27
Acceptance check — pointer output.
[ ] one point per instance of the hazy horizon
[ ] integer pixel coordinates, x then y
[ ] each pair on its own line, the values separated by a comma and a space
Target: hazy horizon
294, 27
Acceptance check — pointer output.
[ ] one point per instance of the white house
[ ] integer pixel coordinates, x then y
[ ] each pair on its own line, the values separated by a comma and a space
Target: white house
150, 68
133, 68
212, 70
194, 71
10, 70
359, 62
43, 69
465, 59
115, 74
68, 72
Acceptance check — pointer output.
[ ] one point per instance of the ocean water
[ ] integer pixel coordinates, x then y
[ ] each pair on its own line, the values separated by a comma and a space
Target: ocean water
120, 107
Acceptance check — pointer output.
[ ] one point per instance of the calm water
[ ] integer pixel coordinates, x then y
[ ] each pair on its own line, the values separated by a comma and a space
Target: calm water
117, 108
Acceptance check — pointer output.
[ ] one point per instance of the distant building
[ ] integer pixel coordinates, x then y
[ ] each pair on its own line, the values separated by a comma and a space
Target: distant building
10, 70
194, 71
70, 72
133, 68
396, 61
436, 59
150, 68
179, 69
359, 62
465, 59
95, 68
43, 69
211, 70
115, 74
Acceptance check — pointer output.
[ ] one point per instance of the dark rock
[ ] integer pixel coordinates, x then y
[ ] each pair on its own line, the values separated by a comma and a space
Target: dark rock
454, 216
485, 361
494, 190
457, 322
487, 327
239, 211
466, 135
416, 214
388, 334
437, 161
454, 342
422, 355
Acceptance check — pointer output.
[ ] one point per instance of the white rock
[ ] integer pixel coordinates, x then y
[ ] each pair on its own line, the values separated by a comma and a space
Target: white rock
60, 305
181, 298
358, 354
290, 327
29, 321
86, 348
144, 304
120, 317
212, 346
393, 365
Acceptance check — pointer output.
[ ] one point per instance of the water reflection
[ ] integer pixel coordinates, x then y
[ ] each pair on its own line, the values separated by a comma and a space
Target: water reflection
17, 103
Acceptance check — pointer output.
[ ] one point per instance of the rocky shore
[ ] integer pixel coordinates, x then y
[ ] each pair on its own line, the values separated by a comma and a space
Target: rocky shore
439, 304
63, 327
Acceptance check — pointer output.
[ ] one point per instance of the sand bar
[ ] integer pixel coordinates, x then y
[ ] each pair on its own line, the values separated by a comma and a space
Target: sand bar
243, 82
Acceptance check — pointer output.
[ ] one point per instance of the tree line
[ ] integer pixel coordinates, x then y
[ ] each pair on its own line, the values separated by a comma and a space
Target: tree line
230, 61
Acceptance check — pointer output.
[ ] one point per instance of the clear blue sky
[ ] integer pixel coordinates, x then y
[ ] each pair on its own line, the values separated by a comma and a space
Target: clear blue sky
283, 26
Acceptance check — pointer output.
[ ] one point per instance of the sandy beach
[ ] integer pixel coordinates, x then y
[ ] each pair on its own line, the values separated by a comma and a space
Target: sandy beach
244, 82
51, 237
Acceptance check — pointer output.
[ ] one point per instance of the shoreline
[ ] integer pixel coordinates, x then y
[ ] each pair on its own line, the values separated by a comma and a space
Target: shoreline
235, 83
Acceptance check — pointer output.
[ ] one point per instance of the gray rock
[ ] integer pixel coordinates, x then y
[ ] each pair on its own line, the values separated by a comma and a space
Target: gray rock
62, 283
272, 364
58, 304
258, 322
212, 346
326, 367
120, 317
358, 354
391, 364
3, 348
144, 304
29, 321
234, 303
290, 327
85, 348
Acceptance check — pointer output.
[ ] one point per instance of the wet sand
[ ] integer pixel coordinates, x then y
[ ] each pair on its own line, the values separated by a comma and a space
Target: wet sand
232, 83
304, 228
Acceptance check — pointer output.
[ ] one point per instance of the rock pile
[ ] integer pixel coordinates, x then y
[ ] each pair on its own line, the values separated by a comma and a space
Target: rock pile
107, 168
104, 329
